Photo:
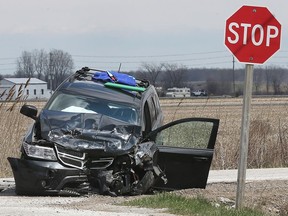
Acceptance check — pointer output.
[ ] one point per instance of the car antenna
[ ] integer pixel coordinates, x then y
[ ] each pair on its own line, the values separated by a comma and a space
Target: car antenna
119, 67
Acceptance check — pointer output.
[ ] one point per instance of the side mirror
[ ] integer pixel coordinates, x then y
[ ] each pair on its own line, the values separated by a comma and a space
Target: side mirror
29, 111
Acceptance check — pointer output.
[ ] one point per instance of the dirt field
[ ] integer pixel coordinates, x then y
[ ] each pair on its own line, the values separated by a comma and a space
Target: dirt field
268, 135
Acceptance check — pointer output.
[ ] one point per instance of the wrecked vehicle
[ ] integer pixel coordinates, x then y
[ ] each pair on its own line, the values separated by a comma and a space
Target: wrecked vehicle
101, 132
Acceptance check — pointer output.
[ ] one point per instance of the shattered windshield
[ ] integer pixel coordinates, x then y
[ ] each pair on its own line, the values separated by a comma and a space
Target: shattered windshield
72, 103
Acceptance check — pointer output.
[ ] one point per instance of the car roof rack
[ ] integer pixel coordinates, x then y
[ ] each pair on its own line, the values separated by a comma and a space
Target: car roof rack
86, 73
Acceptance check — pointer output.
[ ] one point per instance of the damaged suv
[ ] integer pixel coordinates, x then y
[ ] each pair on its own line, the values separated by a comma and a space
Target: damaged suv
100, 134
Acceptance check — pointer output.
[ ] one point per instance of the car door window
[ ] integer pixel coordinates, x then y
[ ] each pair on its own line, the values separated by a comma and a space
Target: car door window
191, 134
185, 154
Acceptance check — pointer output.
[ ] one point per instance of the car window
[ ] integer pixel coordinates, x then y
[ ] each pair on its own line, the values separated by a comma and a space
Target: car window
84, 104
191, 134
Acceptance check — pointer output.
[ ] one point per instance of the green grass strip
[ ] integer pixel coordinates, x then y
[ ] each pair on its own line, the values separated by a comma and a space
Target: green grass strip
181, 205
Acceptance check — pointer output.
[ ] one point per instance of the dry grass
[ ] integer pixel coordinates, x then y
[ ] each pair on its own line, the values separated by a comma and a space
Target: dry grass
268, 135
13, 126
268, 129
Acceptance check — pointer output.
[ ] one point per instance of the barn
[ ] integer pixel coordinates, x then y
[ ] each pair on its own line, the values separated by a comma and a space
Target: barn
35, 89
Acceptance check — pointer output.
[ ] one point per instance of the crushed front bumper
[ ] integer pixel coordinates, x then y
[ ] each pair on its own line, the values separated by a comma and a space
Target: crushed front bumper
35, 177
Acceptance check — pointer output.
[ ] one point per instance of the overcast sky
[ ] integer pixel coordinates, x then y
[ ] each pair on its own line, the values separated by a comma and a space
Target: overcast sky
105, 33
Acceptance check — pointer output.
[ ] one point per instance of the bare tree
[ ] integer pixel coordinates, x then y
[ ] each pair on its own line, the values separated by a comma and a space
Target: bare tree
25, 65
174, 74
274, 78
151, 71
60, 66
277, 79
212, 86
268, 77
40, 63
257, 80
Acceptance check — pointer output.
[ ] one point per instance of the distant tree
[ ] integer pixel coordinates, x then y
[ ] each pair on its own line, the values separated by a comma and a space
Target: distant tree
174, 75
268, 79
257, 80
40, 63
277, 79
25, 65
60, 66
151, 71
212, 86
225, 86
52, 67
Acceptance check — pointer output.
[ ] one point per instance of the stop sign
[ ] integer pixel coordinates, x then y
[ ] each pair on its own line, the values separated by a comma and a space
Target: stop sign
252, 34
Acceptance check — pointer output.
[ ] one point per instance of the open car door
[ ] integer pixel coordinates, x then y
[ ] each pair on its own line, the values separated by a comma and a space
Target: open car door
186, 149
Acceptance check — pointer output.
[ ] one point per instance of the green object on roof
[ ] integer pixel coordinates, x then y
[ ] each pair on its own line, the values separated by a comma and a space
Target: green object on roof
126, 87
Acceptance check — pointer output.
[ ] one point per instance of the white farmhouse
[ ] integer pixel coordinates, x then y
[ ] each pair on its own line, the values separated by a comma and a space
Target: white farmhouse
36, 88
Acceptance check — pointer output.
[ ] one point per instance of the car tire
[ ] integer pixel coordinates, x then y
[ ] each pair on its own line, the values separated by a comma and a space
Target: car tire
145, 184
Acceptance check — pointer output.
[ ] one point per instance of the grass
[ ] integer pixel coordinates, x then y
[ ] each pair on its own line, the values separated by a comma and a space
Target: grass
181, 205
13, 127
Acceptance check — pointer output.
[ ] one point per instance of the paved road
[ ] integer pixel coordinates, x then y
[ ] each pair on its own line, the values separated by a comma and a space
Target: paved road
251, 175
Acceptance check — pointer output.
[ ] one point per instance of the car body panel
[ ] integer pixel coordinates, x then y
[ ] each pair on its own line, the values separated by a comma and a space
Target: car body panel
36, 177
186, 151
83, 141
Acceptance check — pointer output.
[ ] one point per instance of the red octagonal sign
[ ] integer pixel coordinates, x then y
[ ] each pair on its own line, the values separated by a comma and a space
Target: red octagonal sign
252, 34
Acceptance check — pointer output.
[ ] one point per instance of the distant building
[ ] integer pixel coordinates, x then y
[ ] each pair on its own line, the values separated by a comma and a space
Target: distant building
36, 88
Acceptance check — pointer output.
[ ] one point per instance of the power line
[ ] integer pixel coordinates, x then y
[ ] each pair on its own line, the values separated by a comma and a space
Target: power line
171, 60
149, 56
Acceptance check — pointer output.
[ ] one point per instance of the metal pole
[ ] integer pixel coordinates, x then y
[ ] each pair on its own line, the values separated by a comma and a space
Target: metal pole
234, 91
244, 142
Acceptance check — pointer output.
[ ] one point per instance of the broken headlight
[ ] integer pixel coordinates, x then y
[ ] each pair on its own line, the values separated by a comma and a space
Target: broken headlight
41, 152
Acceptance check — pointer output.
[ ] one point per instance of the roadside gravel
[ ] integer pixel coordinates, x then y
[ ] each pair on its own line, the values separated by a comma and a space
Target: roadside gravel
11, 204
269, 195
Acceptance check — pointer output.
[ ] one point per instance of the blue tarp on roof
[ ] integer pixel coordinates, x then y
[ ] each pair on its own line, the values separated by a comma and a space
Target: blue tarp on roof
116, 77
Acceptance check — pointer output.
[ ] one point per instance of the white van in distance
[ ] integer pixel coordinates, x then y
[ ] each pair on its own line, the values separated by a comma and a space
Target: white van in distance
178, 92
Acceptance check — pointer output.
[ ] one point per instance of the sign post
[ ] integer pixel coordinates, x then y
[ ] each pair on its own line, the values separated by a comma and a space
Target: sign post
253, 35
244, 141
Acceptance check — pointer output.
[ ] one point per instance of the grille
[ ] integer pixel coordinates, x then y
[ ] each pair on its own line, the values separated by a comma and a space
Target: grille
71, 158
73, 153
100, 163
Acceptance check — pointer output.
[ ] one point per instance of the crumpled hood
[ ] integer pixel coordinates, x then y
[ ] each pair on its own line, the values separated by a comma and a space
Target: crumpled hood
88, 131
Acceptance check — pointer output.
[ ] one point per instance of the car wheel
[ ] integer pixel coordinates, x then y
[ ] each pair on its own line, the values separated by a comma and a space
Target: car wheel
145, 184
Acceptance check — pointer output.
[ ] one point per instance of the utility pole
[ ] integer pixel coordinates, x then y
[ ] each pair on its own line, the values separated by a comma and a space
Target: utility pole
50, 73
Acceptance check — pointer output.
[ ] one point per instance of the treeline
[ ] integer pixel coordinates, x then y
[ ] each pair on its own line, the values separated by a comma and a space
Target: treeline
54, 66
217, 81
